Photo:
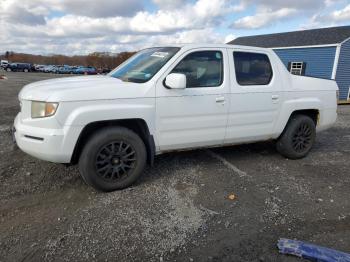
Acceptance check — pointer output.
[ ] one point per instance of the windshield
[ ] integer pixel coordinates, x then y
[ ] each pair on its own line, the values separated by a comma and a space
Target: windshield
144, 65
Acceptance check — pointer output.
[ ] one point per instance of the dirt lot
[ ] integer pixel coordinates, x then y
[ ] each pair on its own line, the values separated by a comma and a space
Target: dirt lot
179, 210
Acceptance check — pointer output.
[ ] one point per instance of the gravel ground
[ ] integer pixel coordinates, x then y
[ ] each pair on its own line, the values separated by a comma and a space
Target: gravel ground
180, 209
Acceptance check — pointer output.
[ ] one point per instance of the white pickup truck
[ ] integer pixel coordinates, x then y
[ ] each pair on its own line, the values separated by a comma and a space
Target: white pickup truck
171, 98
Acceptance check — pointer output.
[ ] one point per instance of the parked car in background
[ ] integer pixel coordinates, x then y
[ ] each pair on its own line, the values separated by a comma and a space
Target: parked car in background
47, 68
73, 68
88, 70
19, 67
168, 99
66, 69
4, 63
76, 69
55, 69
50, 69
39, 68
103, 70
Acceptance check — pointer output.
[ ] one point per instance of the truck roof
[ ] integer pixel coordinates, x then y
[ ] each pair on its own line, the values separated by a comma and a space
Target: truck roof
188, 46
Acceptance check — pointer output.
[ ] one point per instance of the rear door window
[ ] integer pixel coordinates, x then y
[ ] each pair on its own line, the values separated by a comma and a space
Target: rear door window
252, 68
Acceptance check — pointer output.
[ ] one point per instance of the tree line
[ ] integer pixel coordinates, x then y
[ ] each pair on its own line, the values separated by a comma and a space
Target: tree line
97, 60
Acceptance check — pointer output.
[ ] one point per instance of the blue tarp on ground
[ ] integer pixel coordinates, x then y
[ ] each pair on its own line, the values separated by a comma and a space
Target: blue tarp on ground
311, 252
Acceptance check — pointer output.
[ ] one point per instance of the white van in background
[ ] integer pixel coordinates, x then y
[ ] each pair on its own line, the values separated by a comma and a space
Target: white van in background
4, 63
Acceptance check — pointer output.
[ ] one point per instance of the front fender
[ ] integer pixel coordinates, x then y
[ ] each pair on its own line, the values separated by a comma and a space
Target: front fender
74, 116
85, 112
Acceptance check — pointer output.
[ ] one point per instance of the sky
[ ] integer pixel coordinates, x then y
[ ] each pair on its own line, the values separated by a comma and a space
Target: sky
74, 27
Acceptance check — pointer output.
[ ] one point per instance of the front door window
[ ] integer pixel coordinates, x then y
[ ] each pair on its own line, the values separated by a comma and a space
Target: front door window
202, 69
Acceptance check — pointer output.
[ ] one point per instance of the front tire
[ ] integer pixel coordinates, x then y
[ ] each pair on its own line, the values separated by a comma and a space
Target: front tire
298, 137
113, 158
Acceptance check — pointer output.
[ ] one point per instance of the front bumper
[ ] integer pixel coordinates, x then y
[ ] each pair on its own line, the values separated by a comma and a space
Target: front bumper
43, 143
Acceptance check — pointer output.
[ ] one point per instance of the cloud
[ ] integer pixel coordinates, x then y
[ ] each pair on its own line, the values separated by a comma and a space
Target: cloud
17, 14
73, 33
211, 8
262, 19
201, 15
207, 35
336, 17
169, 4
22, 16
101, 8
229, 38
341, 15
329, 3
292, 4
269, 12
81, 26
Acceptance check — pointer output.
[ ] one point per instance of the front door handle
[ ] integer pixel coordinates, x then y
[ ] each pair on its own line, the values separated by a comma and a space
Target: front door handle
220, 99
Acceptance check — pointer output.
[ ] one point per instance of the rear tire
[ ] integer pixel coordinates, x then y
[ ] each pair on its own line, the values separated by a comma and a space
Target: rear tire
25, 70
298, 137
113, 158
8, 69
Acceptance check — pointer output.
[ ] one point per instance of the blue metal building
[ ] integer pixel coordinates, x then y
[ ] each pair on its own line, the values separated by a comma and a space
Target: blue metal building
323, 53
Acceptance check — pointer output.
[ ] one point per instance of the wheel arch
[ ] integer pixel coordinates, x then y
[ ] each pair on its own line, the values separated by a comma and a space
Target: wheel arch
139, 126
313, 113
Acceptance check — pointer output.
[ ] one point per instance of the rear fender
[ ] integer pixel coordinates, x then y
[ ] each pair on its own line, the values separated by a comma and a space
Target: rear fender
291, 106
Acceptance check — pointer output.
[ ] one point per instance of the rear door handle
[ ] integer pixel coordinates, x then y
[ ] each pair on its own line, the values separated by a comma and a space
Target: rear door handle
220, 99
275, 97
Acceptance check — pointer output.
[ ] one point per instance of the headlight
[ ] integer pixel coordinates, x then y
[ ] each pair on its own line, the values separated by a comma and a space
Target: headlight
43, 109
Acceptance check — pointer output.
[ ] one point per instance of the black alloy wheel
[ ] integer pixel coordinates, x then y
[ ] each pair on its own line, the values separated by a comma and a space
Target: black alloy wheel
302, 138
298, 137
115, 160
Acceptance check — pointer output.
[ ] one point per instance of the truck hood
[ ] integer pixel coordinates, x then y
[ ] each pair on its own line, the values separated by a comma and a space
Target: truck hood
82, 88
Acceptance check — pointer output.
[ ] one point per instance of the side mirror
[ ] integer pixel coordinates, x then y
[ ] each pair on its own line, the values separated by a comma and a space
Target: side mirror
175, 81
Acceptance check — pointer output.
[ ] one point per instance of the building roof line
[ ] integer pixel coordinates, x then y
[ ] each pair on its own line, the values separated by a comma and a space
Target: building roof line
321, 36
305, 46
